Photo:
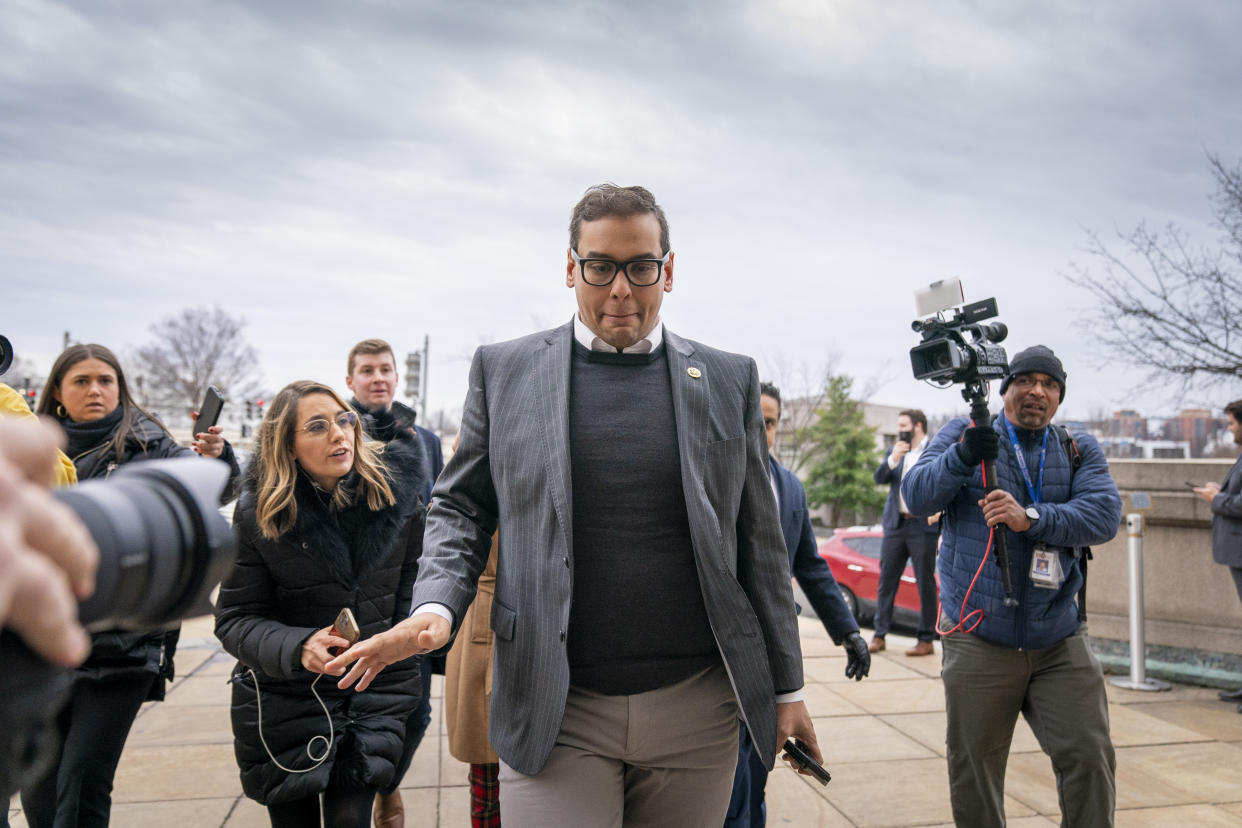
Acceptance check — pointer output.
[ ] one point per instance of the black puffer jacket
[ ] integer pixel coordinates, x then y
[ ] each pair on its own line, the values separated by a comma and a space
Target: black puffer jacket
280, 593
121, 653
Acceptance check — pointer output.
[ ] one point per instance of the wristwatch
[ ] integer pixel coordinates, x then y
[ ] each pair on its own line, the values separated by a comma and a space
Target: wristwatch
1032, 514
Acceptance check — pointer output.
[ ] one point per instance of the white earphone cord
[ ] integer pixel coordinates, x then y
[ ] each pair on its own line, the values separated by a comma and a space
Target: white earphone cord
318, 760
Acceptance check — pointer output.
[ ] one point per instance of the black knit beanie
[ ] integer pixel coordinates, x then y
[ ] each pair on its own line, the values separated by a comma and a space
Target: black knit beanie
1037, 359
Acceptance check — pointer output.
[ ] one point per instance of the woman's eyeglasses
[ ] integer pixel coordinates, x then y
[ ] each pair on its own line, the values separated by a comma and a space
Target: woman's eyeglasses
319, 427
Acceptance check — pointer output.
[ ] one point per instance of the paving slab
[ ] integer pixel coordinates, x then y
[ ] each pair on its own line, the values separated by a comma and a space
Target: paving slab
897, 696
883, 668
156, 774
898, 793
157, 814
1213, 719
864, 739
1135, 724
1200, 816
452, 770
200, 690
793, 802
203, 724
1205, 772
247, 813
453, 808
821, 700
1021, 822
823, 668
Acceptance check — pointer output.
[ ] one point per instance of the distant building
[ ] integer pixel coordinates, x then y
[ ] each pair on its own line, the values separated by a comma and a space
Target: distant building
1197, 427
1127, 423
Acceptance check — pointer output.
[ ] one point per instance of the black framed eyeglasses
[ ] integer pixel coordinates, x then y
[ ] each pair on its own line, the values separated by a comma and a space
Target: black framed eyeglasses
318, 427
640, 272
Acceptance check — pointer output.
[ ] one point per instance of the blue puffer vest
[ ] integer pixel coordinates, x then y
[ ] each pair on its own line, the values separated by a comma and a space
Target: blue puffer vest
1086, 515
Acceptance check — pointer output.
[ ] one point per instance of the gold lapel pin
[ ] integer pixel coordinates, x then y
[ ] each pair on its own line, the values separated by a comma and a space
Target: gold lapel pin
694, 373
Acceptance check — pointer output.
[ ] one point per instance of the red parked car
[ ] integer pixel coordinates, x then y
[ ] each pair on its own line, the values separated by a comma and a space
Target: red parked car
853, 554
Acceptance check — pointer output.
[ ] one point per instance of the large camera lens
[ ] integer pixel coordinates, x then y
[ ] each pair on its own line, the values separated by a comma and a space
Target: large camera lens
163, 544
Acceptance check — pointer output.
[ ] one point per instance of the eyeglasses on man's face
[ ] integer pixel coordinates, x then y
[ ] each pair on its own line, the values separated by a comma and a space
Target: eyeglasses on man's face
319, 427
601, 272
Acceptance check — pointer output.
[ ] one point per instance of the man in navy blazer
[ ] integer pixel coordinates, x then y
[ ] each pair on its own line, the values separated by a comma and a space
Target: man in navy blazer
746, 808
906, 537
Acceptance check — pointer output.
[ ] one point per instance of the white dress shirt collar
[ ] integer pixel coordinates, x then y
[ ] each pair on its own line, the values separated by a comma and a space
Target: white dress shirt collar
587, 339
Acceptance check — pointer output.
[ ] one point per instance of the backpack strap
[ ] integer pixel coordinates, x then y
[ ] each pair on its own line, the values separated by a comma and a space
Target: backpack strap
1082, 553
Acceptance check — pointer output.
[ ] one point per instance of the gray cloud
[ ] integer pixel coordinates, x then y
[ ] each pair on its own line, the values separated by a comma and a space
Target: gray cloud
336, 171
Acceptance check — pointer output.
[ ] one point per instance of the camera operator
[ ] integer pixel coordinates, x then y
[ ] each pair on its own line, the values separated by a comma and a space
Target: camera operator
1033, 657
46, 556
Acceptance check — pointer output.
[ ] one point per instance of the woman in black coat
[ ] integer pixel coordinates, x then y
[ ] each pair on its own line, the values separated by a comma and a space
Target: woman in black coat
323, 523
87, 394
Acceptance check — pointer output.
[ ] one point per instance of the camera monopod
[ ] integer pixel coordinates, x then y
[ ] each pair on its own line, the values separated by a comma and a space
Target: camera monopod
976, 394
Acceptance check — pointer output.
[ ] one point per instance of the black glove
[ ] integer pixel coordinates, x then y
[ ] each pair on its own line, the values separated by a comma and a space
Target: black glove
858, 657
979, 443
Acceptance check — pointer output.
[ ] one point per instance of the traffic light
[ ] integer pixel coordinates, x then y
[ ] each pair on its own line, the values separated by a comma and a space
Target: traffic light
249, 410
259, 408
414, 375
30, 399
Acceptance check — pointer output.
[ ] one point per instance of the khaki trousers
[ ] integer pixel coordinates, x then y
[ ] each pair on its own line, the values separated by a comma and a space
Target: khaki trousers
1060, 691
661, 758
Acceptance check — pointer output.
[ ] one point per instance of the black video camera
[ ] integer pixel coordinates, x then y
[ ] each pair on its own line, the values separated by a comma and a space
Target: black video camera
960, 348
163, 546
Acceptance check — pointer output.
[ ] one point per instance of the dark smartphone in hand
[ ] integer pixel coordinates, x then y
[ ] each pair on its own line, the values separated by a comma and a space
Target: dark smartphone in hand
209, 411
805, 761
905, 436
1192, 485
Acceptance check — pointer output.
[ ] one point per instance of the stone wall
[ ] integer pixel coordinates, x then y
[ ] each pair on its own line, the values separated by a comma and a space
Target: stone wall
1190, 601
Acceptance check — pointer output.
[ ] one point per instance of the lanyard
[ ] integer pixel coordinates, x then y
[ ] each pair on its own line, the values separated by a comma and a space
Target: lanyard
1034, 490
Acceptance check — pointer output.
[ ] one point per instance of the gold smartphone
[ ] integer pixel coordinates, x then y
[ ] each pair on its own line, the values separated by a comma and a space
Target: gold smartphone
346, 626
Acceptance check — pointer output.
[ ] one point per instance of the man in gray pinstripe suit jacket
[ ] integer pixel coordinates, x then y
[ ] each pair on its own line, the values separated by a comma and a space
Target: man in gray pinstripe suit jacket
643, 600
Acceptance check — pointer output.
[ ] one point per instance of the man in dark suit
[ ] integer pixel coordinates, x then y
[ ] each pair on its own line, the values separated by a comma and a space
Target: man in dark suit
1226, 500
906, 537
371, 374
747, 808
643, 601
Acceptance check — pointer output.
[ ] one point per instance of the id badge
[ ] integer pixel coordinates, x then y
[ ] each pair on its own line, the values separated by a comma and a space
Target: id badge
1046, 568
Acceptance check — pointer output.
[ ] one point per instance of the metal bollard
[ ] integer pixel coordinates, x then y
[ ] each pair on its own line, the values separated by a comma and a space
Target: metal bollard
1138, 636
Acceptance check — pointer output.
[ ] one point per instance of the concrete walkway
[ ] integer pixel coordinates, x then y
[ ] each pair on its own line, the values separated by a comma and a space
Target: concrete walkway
1179, 753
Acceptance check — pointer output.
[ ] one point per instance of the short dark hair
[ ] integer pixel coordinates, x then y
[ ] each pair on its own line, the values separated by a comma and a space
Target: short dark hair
607, 200
767, 389
1234, 409
366, 347
917, 417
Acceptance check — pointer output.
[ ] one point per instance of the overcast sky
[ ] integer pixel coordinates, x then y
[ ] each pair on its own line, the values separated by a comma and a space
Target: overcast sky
334, 171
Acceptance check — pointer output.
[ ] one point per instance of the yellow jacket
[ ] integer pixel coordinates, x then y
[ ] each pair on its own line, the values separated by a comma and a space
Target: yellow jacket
12, 405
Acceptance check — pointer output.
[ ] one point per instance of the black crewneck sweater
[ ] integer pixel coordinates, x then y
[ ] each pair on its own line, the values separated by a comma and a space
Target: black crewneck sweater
637, 621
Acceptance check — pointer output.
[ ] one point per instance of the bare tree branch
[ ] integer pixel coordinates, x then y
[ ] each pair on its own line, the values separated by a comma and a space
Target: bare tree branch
1166, 307
192, 350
